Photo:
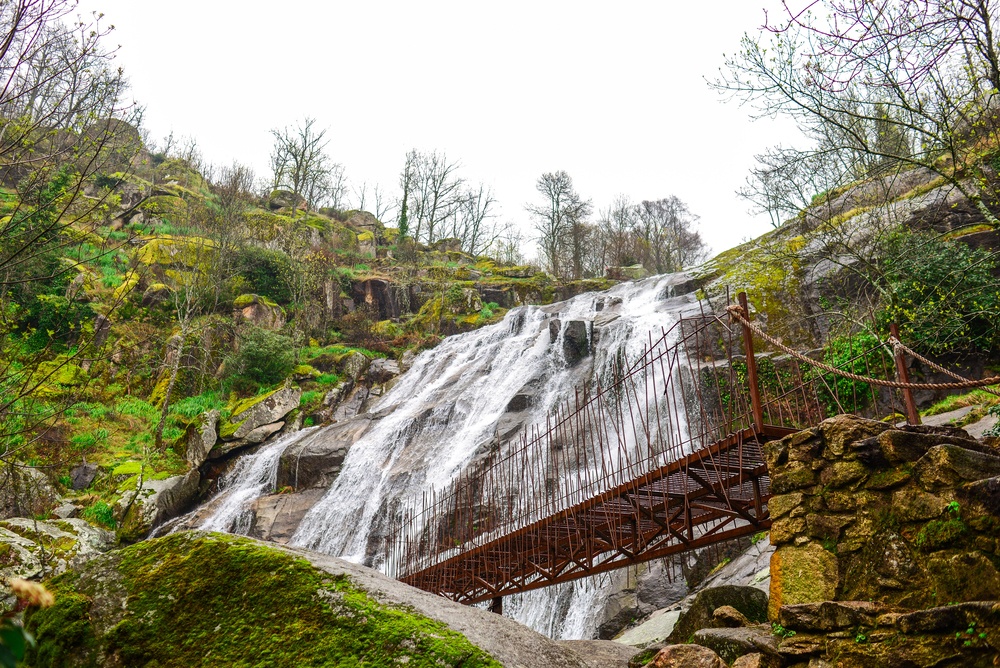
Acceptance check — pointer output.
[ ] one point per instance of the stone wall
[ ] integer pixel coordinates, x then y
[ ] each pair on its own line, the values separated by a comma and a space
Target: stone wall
864, 511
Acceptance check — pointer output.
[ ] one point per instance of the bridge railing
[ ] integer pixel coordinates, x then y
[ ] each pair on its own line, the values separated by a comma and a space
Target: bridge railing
695, 384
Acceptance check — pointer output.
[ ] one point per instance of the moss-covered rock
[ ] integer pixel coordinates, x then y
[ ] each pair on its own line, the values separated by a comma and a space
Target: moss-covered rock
802, 575
209, 599
258, 411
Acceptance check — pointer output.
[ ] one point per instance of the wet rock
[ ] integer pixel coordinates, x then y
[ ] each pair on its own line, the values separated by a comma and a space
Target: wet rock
82, 475
276, 517
576, 343
730, 643
315, 460
351, 405
686, 656
749, 601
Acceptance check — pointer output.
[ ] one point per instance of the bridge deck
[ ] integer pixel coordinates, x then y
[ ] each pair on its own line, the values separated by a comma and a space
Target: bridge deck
716, 493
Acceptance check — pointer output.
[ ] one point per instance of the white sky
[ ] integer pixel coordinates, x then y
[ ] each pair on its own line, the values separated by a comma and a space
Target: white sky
613, 93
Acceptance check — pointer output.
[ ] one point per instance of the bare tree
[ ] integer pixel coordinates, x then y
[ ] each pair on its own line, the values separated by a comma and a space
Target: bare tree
474, 220
65, 121
299, 163
433, 194
374, 200
874, 85
508, 248
618, 233
666, 236
560, 223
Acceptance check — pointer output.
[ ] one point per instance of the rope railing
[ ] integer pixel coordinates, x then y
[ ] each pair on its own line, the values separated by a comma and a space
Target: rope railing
736, 312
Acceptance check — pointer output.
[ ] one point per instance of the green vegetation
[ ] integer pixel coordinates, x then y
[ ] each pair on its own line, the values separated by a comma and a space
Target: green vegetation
285, 612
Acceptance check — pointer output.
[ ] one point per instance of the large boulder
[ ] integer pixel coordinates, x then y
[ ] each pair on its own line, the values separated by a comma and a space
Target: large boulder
24, 491
35, 548
686, 656
315, 460
259, 411
145, 503
200, 438
259, 312
192, 598
749, 601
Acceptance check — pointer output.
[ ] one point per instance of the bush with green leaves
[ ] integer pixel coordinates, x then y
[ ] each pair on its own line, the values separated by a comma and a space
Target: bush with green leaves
942, 293
861, 354
263, 357
265, 272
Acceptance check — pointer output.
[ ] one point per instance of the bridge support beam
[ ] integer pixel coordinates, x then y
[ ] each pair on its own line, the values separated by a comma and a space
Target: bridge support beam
755, 404
496, 605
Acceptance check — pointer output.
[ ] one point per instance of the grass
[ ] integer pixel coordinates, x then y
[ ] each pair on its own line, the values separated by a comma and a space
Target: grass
977, 397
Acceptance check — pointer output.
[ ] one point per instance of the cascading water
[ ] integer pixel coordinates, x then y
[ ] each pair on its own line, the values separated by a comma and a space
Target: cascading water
252, 476
446, 410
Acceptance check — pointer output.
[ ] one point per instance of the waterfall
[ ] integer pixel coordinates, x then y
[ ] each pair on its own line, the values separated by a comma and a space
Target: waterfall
445, 411
253, 475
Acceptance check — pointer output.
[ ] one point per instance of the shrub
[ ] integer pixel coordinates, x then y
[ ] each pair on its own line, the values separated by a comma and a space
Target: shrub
858, 353
265, 272
263, 357
942, 293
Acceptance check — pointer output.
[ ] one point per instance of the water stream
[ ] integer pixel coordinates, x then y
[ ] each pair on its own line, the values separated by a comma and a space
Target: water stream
445, 410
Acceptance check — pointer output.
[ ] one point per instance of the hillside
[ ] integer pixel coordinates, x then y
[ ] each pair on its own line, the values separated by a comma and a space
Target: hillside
162, 295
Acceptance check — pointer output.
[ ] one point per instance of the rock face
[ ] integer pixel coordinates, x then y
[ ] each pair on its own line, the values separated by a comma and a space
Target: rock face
258, 412
24, 491
259, 312
34, 549
315, 460
748, 601
143, 504
176, 600
864, 511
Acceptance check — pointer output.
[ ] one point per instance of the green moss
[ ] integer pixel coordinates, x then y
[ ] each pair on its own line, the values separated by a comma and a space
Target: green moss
198, 600
938, 534
67, 636
365, 237
229, 427
128, 468
167, 250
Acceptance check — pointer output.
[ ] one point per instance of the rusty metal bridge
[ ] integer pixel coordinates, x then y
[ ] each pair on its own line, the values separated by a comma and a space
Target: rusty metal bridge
662, 457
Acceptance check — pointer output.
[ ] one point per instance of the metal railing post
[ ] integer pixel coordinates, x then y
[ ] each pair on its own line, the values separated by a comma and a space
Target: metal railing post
912, 415
755, 403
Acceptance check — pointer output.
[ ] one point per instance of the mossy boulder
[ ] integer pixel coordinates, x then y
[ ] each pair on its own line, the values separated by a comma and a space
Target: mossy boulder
258, 411
259, 311
165, 207
173, 251
31, 549
211, 599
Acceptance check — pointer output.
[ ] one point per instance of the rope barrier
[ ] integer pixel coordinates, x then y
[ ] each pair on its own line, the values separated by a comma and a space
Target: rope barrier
736, 312
897, 344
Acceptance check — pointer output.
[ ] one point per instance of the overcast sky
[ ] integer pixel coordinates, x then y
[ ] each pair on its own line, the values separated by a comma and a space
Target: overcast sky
613, 93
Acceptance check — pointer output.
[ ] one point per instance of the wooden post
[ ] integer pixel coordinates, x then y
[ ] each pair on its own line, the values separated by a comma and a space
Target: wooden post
912, 416
496, 605
755, 404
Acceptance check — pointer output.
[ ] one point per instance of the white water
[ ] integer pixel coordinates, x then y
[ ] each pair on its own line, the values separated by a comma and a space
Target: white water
252, 476
441, 414
446, 408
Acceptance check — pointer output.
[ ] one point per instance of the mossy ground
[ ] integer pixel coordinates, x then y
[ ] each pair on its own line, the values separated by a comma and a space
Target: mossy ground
215, 600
